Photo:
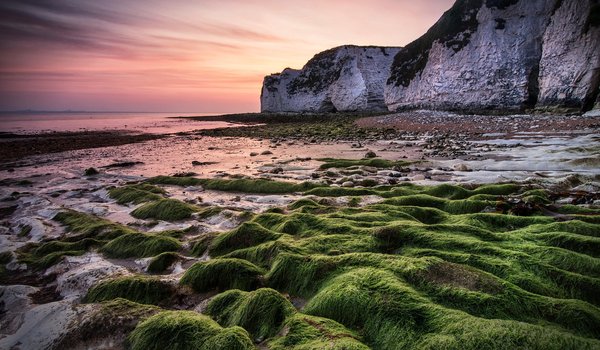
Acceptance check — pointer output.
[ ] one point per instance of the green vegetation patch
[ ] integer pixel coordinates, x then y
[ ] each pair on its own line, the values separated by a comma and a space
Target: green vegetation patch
136, 194
140, 245
427, 267
314, 333
165, 209
92, 232
113, 320
261, 312
163, 261
372, 162
246, 235
223, 274
236, 185
6, 257
139, 289
183, 330
393, 315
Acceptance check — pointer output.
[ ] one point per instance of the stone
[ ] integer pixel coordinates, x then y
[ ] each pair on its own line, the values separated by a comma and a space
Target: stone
370, 154
348, 184
461, 167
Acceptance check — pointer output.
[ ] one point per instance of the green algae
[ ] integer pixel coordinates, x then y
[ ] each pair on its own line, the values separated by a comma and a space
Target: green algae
261, 312
394, 315
162, 262
236, 185
314, 333
165, 209
428, 267
6, 257
247, 234
138, 289
200, 245
91, 232
140, 245
329, 163
223, 274
136, 194
112, 320
183, 330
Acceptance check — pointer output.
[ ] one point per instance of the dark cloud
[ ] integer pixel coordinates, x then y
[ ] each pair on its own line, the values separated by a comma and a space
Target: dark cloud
85, 26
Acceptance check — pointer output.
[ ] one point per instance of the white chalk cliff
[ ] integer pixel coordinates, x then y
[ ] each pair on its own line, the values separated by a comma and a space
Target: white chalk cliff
480, 55
502, 55
346, 78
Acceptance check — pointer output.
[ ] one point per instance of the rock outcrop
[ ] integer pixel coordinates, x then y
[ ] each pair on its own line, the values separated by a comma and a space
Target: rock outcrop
502, 55
570, 63
346, 78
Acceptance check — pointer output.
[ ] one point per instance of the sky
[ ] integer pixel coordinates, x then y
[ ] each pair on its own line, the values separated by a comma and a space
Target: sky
180, 55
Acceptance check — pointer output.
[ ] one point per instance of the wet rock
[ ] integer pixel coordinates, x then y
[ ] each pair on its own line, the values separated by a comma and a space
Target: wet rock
78, 273
370, 154
91, 172
127, 164
461, 167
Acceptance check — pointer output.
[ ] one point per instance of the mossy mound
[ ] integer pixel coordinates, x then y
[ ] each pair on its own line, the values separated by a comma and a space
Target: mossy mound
111, 322
314, 333
139, 289
247, 234
91, 232
261, 312
162, 262
236, 185
136, 194
427, 267
372, 162
223, 274
393, 315
165, 209
87, 225
184, 330
140, 245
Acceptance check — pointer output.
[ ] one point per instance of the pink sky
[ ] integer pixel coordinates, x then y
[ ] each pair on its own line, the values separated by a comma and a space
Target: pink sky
178, 55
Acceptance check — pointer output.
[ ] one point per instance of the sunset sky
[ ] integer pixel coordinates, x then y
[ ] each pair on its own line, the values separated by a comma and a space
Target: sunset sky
180, 55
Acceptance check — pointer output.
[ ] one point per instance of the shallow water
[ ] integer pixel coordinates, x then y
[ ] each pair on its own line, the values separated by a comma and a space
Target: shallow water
153, 123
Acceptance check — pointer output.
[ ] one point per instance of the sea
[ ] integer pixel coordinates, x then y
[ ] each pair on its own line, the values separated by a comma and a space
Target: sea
144, 122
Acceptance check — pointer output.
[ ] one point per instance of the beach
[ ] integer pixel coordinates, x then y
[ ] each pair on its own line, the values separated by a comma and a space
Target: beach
66, 228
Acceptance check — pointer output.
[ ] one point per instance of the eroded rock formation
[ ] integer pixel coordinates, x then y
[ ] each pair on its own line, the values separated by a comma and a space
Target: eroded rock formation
502, 55
346, 78
499, 55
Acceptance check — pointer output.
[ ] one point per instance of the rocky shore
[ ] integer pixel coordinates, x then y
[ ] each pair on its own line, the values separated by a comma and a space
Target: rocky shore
254, 236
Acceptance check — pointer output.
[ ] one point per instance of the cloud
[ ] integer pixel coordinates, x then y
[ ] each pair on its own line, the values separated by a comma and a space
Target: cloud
182, 47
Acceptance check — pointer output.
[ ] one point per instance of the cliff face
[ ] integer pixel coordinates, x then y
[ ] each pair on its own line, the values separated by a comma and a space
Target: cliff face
502, 54
346, 78
481, 55
570, 63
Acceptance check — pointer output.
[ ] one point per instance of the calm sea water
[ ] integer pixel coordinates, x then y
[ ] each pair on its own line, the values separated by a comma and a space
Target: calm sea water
38, 122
